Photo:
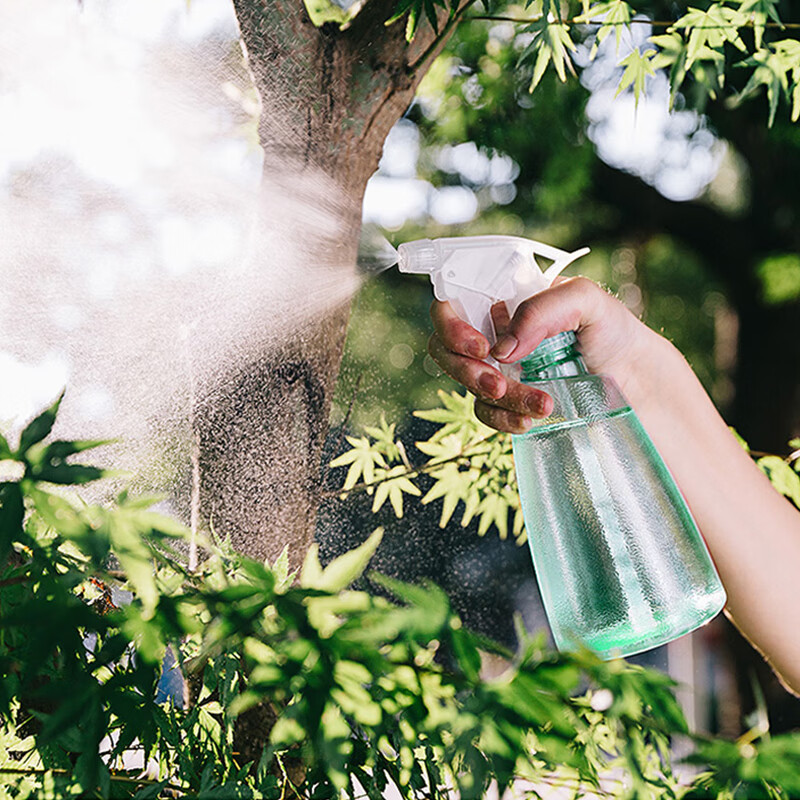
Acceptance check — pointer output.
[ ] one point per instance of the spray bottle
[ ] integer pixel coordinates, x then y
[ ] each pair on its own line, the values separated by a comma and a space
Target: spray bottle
620, 563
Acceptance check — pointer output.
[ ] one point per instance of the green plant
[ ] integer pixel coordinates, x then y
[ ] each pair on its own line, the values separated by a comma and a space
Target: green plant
472, 464
699, 49
350, 693
468, 462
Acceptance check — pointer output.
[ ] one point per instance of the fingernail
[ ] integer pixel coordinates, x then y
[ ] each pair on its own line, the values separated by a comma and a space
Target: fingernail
526, 422
505, 346
476, 348
488, 384
536, 404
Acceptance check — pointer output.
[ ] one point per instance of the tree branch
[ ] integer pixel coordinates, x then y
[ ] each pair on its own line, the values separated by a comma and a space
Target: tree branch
655, 23
438, 43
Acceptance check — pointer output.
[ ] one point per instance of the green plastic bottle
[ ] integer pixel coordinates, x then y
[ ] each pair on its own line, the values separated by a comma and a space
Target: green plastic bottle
620, 563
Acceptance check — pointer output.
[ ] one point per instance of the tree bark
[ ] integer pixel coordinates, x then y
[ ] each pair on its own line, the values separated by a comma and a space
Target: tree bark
329, 98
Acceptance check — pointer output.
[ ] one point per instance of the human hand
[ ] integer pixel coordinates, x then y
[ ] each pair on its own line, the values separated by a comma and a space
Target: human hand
611, 340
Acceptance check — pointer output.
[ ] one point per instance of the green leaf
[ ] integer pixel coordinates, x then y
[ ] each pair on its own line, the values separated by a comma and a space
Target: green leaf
551, 43
60, 515
796, 102
287, 732
671, 54
416, 9
61, 450
39, 428
391, 485
493, 510
135, 557
12, 515
151, 792
616, 16
430, 600
5, 450
323, 11
342, 571
710, 30
457, 417
789, 52
770, 70
67, 474
781, 476
311, 570
759, 11
467, 655
363, 457
637, 67
281, 570
384, 437
400, 8
452, 485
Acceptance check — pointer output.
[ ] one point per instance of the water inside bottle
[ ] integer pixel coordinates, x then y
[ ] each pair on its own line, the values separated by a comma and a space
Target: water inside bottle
620, 564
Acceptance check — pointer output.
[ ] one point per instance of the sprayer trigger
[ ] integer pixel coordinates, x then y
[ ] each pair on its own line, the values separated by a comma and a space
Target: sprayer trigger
559, 265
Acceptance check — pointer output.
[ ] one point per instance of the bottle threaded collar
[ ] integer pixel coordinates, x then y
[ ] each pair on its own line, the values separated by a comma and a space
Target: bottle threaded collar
552, 350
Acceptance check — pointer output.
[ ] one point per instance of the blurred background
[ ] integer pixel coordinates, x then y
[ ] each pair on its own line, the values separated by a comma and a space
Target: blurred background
129, 170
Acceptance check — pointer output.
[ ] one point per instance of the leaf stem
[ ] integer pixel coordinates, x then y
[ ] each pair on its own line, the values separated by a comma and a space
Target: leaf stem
656, 23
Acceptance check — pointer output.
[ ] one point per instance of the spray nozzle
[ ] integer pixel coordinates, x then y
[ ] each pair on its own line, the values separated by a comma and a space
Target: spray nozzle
475, 272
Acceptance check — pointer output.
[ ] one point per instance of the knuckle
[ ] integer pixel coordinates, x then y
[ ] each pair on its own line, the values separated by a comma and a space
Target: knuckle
590, 290
582, 285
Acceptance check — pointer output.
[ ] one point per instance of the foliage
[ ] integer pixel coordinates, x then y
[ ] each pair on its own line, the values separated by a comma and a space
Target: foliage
701, 48
467, 462
472, 464
351, 693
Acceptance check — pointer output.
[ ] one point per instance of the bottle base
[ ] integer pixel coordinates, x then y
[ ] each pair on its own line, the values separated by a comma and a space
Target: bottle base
625, 640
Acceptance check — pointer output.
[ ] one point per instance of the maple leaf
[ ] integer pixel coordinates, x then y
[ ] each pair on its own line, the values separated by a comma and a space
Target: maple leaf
551, 43
616, 16
362, 459
710, 29
759, 11
392, 484
637, 67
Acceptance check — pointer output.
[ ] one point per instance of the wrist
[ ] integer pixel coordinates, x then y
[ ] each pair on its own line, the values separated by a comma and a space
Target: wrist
649, 371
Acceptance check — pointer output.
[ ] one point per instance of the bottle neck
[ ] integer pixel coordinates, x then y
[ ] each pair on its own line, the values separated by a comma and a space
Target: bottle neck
556, 357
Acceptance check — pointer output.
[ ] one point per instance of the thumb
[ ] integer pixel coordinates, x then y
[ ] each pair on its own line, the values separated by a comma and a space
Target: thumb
571, 304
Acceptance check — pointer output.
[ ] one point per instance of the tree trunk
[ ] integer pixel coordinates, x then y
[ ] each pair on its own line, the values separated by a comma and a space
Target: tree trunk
329, 98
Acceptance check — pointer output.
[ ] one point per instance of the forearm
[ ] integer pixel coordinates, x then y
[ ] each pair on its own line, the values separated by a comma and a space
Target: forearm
752, 532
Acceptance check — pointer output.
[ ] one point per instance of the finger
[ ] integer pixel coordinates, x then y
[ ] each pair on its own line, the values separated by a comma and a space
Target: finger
455, 334
480, 378
525, 400
501, 418
570, 305
490, 384
500, 318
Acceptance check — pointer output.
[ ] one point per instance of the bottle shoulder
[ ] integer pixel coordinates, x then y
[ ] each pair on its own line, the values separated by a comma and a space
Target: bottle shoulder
580, 397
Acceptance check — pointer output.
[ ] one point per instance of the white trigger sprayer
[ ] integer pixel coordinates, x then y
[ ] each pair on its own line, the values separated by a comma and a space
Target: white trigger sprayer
475, 272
